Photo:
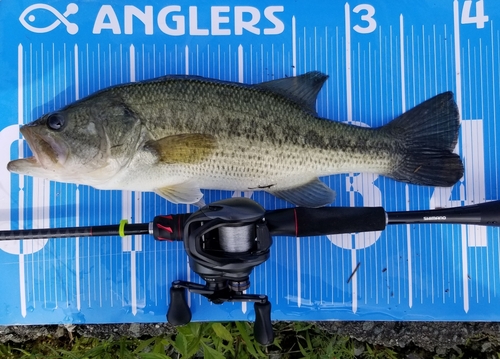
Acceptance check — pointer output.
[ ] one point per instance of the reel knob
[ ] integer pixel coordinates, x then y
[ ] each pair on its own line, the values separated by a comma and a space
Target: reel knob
179, 312
263, 328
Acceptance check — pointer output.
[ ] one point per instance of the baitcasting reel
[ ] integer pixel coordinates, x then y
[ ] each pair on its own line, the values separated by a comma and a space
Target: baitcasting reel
224, 242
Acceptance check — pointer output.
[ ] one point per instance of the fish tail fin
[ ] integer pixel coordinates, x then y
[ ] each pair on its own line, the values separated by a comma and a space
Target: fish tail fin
427, 135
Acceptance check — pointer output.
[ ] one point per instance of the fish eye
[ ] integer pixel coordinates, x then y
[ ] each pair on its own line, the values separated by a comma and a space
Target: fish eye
55, 121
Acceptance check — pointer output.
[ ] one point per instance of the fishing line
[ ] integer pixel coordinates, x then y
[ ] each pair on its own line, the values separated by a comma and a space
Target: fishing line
236, 239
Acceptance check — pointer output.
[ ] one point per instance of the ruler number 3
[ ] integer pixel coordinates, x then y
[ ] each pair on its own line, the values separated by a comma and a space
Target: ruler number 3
368, 17
480, 19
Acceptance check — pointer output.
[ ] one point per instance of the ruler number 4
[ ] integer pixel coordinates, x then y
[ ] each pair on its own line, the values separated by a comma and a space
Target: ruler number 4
367, 17
480, 19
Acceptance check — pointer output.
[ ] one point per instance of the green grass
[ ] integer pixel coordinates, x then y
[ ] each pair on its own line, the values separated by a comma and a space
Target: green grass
219, 340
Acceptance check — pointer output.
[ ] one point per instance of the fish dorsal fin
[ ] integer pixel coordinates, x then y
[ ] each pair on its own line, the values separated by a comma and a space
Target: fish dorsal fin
183, 148
301, 89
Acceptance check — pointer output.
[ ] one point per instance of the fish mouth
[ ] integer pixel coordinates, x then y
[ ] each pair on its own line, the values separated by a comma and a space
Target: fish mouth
47, 152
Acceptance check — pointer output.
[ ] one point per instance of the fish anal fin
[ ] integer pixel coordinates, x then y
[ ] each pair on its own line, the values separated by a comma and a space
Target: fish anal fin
301, 89
186, 193
311, 194
186, 148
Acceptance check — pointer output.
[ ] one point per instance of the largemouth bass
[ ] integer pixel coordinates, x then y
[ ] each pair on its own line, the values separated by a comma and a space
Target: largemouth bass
175, 135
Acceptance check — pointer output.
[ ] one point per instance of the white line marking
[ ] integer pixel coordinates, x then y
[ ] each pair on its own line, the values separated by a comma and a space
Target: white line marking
458, 74
458, 98
77, 195
241, 66
20, 120
299, 274
294, 47
305, 53
424, 71
354, 281
127, 207
407, 188
132, 63
77, 249
349, 103
465, 277
494, 106
348, 69
133, 282
20, 85
402, 58
409, 258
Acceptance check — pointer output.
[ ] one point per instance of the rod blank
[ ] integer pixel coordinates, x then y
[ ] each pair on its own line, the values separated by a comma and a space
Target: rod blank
484, 214
95, 231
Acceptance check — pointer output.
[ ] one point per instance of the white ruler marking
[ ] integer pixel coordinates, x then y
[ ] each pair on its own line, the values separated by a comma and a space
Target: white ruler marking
77, 194
128, 196
294, 47
494, 98
348, 62
458, 73
299, 273
458, 98
20, 119
354, 280
407, 189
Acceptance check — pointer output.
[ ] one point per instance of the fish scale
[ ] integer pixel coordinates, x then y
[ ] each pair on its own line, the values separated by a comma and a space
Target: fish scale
280, 122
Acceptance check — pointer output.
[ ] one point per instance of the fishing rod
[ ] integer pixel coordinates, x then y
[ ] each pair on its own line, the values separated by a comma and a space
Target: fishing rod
225, 240
299, 222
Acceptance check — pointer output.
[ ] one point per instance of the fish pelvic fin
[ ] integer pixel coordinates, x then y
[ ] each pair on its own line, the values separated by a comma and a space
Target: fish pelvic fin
186, 193
186, 148
427, 135
312, 194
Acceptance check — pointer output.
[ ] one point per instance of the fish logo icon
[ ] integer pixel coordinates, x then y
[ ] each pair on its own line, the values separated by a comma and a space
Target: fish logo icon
27, 18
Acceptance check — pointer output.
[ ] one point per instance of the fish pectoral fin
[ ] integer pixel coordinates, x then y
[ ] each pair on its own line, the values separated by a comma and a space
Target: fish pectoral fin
301, 89
311, 194
186, 148
185, 193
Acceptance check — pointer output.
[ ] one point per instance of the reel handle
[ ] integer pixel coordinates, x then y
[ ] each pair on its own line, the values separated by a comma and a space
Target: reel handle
178, 312
263, 328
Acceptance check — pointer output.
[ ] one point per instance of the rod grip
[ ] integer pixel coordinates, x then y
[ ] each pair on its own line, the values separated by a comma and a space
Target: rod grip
302, 222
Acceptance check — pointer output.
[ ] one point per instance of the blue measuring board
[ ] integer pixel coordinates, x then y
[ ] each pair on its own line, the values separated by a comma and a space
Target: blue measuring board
382, 59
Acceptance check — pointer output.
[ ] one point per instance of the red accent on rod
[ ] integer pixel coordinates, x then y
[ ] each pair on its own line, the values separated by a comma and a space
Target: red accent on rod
168, 229
163, 239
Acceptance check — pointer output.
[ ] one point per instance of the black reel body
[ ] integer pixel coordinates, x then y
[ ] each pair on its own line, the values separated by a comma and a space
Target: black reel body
224, 242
